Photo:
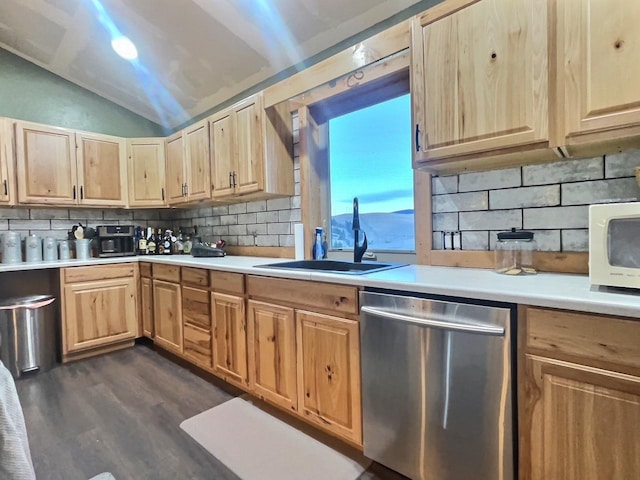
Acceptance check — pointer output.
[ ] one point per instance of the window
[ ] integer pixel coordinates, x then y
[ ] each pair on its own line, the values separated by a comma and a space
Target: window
370, 158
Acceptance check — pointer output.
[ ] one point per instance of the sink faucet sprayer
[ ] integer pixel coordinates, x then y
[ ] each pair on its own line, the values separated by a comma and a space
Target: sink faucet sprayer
358, 250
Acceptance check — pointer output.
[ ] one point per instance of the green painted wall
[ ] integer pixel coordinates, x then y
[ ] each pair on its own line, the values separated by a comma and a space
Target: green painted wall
28, 92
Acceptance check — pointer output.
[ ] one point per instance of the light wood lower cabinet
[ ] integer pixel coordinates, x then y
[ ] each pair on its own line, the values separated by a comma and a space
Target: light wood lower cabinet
196, 315
98, 307
272, 357
146, 299
579, 396
167, 314
329, 373
230, 338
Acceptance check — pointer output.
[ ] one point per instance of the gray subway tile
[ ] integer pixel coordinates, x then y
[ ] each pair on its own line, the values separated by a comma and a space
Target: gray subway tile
491, 220
259, 206
278, 228
293, 215
246, 240
14, 213
4, 224
296, 201
212, 221
220, 231
228, 219
621, 164
556, 217
475, 240
85, 214
237, 229
247, 218
266, 217
49, 214
460, 202
205, 212
286, 240
543, 196
220, 210
441, 185
267, 240
231, 239
490, 180
238, 208
117, 214
257, 229
445, 221
30, 224
61, 224
575, 240
563, 171
600, 191
279, 203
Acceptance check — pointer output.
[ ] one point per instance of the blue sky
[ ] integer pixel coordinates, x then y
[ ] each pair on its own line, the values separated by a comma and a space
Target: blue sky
370, 153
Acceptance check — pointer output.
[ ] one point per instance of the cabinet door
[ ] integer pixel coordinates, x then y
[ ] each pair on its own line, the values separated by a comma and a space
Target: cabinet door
196, 308
599, 47
99, 313
7, 178
580, 423
249, 174
272, 353
146, 291
146, 172
46, 164
222, 155
167, 315
480, 78
229, 338
197, 162
329, 392
102, 170
176, 181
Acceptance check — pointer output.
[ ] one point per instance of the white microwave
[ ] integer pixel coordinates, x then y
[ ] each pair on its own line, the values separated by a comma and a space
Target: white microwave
614, 244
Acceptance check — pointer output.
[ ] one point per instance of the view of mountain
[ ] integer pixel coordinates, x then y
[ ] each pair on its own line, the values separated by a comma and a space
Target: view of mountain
385, 231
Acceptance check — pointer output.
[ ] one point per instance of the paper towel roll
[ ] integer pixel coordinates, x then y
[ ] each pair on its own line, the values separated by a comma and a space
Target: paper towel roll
298, 232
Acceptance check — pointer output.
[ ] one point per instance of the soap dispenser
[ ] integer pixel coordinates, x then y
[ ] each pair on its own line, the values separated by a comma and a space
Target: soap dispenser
318, 246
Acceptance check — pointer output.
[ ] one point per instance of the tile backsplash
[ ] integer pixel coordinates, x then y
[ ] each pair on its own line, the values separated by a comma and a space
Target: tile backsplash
550, 199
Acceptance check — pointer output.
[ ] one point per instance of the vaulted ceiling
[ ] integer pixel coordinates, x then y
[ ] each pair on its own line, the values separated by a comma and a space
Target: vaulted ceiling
193, 54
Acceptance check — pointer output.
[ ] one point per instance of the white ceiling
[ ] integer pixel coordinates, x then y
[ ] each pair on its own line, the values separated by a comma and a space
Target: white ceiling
193, 54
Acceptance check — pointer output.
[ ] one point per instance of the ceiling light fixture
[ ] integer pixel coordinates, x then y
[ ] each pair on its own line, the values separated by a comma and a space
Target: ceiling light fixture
124, 47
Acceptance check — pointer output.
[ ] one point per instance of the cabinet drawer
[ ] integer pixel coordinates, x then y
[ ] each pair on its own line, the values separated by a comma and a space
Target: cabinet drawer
145, 269
590, 339
100, 272
197, 345
308, 295
195, 307
227, 282
195, 276
170, 273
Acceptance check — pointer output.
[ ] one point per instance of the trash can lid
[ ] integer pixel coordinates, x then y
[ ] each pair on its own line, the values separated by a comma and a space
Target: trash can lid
29, 301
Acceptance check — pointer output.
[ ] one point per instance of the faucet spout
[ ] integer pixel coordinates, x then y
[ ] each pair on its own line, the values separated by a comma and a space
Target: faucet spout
358, 249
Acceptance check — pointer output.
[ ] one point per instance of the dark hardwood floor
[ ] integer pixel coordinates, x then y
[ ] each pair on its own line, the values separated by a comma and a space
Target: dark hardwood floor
121, 413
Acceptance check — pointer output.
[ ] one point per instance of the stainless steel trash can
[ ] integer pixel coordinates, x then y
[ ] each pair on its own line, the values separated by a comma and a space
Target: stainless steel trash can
28, 340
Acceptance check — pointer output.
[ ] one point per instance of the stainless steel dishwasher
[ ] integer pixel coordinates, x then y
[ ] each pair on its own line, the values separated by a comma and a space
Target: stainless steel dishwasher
436, 387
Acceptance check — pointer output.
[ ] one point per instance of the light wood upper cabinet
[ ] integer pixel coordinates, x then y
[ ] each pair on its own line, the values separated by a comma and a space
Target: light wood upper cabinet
167, 315
197, 162
188, 165
598, 70
230, 338
99, 306
7, 162
102, 170
579, 396
479, 79
252, 150
329, 373
272, 353
46, 164
146, 172
175, 169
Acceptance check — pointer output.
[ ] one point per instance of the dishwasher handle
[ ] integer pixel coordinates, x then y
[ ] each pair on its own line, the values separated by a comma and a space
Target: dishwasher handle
442, 323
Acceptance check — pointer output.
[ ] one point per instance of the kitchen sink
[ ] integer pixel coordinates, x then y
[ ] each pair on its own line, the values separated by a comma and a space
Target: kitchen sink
334, 266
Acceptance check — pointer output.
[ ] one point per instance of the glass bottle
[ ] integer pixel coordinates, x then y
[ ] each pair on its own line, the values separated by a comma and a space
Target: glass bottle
166, 242
151, 242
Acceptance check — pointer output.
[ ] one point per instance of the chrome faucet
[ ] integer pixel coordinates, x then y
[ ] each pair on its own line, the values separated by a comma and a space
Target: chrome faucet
358, 250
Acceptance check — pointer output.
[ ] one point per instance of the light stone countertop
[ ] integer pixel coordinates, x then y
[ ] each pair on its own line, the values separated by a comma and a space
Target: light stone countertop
572, 292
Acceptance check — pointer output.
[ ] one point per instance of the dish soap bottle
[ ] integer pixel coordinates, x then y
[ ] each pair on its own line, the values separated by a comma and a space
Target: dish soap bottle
318, 246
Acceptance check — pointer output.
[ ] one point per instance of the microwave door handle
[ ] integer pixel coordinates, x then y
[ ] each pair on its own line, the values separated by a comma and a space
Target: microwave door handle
442, 323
